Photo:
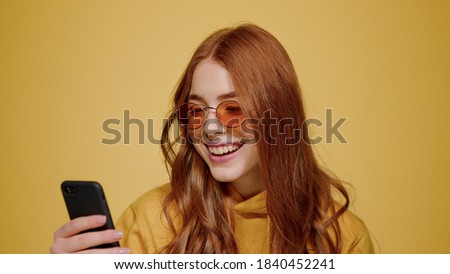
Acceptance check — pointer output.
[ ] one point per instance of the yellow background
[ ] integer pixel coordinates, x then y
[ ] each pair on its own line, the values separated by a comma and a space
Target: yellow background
66, 66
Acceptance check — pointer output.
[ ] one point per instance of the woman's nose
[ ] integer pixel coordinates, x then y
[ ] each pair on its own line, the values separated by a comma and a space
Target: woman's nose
212, 126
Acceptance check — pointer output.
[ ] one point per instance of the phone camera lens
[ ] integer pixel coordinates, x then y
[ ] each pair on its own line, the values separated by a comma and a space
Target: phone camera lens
70, 190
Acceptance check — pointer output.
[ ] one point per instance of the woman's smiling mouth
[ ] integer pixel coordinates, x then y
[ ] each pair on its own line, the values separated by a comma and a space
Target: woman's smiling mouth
223, 153
224, 149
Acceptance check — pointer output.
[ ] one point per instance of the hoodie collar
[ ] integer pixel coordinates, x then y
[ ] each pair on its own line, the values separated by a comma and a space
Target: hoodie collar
252, 205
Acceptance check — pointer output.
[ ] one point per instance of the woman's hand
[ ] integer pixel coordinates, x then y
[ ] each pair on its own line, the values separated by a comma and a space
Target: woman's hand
67, 240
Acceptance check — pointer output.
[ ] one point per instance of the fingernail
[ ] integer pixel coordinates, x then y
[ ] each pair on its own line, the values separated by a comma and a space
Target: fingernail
124, 251
101, 219
118, 235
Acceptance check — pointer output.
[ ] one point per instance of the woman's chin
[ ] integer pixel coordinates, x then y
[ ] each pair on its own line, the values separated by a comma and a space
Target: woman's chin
223, 175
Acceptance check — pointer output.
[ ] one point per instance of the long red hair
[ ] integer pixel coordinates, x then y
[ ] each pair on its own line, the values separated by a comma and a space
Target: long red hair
303, 215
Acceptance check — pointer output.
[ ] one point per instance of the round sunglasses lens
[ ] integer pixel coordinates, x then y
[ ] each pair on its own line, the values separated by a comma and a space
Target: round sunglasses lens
190, 115
230, 114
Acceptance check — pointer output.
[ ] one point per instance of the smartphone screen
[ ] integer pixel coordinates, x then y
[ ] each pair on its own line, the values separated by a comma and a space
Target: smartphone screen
84, 198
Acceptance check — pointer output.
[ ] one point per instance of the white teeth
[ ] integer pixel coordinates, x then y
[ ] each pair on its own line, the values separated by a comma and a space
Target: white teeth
222, 149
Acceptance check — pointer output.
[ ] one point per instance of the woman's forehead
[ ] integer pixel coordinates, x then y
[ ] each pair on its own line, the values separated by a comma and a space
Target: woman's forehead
211, 82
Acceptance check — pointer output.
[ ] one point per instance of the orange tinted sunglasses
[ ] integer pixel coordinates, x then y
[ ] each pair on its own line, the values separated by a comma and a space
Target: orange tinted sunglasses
229, 113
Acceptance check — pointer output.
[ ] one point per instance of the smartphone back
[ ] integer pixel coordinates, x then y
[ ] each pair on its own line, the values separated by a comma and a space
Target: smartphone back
84, 198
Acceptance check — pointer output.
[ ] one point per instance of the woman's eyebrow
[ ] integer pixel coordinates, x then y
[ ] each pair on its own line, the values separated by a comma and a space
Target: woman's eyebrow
229, 95
195, 97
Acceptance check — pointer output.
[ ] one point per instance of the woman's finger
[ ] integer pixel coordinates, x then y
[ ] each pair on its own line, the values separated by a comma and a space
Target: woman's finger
80, 224
112, 250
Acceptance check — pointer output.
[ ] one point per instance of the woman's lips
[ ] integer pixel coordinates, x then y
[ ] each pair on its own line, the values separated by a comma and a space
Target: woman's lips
223, 153
220, 150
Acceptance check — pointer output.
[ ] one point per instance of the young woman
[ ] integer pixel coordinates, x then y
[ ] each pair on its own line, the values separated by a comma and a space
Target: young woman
244, 178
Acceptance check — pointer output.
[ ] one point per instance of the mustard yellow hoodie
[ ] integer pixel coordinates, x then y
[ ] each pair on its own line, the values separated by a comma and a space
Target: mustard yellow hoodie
146, 231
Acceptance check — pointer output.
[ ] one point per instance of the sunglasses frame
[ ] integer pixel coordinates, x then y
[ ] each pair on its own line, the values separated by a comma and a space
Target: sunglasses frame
205, 110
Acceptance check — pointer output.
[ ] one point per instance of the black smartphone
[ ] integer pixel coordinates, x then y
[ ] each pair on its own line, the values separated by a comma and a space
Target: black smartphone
84, 198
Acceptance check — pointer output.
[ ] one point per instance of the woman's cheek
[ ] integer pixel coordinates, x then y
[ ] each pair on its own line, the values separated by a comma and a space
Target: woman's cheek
249, 132
195, 136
